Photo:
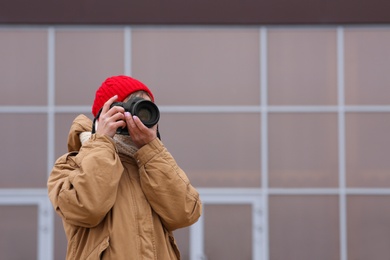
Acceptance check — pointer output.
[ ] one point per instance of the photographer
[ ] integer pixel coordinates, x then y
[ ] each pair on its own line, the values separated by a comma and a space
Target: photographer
118, 190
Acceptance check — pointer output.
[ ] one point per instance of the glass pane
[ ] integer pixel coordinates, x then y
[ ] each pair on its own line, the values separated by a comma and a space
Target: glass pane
367, 59
302, 66
24, 145
368, 229
60, 242
228, 231
84, 59
23, 63
63, 124
303, 150
19, 232
368, 149
198, 66
214, 149
182, 237
304, 227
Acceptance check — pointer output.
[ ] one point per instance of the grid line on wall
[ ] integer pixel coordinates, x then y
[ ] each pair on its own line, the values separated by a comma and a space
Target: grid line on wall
127, 50
264, 140
206, 109
49, 244
341, 144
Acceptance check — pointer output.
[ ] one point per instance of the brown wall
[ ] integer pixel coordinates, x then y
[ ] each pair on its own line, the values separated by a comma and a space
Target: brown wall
310, 135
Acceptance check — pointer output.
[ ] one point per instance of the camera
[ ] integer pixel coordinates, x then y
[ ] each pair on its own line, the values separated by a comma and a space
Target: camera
145, 110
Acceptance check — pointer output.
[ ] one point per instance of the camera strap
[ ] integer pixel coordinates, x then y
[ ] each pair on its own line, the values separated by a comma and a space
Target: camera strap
94, 121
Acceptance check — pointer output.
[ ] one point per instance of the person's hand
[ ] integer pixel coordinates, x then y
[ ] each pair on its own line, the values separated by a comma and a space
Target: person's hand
111, 119
140, 134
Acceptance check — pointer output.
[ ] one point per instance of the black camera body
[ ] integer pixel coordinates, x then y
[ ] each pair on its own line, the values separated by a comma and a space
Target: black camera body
145, 110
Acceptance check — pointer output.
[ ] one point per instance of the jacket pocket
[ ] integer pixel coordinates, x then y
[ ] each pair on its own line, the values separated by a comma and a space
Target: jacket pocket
98, 251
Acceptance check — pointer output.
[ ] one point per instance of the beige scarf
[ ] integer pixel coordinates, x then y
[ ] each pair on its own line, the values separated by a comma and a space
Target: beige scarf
125, 145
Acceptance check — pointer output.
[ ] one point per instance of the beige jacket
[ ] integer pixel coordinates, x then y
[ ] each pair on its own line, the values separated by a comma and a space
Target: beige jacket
116, 207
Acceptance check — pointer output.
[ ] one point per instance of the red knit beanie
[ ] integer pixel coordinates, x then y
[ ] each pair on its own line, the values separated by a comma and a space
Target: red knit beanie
120, 85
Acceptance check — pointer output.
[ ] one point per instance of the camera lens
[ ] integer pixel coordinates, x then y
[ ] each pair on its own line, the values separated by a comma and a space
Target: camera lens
146, 111
144, 115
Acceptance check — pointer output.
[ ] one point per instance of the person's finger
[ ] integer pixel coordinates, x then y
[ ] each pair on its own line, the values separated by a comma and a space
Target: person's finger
130, 121
138, 123
117, 115
119, 124
108, 103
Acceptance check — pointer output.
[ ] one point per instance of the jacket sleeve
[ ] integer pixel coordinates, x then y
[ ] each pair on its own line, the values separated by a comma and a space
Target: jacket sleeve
167, 187
82, 185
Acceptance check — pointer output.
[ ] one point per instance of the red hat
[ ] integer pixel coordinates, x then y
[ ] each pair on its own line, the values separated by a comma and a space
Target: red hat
120, 85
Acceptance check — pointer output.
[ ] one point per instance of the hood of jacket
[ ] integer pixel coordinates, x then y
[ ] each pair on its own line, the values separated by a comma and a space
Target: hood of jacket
80, 124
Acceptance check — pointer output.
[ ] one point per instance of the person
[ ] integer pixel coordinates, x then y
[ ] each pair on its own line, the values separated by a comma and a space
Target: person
120, 196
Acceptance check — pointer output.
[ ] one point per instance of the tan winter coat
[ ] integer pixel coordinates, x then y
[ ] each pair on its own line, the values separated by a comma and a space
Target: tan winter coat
116, 207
